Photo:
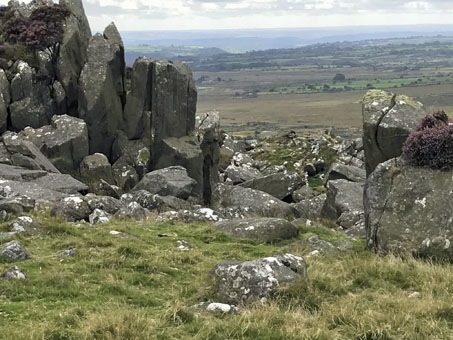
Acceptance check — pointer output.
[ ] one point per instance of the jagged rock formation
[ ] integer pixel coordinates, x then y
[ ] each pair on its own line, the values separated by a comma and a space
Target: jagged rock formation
388, 119
149, 126
406, 211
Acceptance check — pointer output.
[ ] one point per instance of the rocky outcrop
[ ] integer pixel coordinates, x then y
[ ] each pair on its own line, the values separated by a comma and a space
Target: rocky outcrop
388, 119
172, 181
246, 282
73, 53
101, 90
64, 142
406, 211
252, 203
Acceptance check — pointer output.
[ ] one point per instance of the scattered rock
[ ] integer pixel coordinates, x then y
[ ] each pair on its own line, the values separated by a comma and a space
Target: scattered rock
217, 307
347, 172
14, 251
280, 185
72, 209
132, 211
268, 230
184, 246
244, 282
13, 273
25, 224
70, 252
99, 216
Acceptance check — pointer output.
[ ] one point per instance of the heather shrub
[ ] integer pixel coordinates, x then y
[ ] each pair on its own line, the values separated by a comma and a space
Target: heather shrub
431, 144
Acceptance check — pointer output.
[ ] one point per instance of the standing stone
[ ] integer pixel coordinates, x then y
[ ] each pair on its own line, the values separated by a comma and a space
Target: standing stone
388, 119
101, 93
406, 210
4, 101
73, 52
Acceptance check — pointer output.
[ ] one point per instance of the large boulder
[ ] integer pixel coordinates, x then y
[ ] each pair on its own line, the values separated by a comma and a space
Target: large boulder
242, 174
310, 208
73, 52
31, 100
268, 230
64, 142
94, 169
388, 119
407, 210
280, 185
348, 172
253, 203
245, 282
342, 196
171, 181
72, 209
14, 251
101, 90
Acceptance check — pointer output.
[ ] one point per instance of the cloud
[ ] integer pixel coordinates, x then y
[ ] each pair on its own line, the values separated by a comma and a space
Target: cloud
209, 14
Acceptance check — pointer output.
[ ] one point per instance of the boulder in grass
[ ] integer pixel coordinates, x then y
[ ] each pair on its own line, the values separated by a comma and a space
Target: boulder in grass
268, 230
13, 273
246, 282
25, 224
14, 251
72, 209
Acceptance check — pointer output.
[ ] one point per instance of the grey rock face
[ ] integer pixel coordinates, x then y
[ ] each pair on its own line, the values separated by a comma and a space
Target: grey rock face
280, 185
64, 142
406, 211
72, 209
25, 224
201, 215
347, 172
137, 112
124, 174
106, 203
61, 183
99, 216
156, 202
132, 211
94, 169
253, 203
268, 230
73, 52
311, 208
14, 251
101, 91
245, 282
172, 181
13, 273
4, 101
388, 119
342, 196
242, 174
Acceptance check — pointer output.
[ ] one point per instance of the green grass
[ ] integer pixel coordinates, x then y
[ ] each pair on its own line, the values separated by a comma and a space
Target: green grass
143, 288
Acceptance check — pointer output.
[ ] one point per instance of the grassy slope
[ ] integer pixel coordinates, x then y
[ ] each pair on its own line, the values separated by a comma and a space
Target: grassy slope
141, 289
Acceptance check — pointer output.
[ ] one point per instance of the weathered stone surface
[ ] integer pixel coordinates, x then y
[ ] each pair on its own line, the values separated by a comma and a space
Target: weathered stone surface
216, 307
72, 209
201, 215
101, 91
25, 224
132, 211
137, 112
347, 172
133, 152
268, 230
342, 196
13, 273
407, 212
15, 173
14, 251
106, 203
73, 51
253, 203
388, 119
64, 142
184, 152
311, 208
124, 174
242, 174
61, 183
156, 202
4, 101
70, 252
94, 169
280, 185
172, 181
303, 193
245, 282
11, 190
99, 216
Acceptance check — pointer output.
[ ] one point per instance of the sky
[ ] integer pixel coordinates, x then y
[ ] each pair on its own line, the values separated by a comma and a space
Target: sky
140, 15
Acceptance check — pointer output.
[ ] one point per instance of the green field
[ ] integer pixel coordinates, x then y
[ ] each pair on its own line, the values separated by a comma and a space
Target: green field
143, 288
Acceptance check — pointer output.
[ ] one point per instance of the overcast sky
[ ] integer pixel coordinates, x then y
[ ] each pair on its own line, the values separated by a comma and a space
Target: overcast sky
209, 14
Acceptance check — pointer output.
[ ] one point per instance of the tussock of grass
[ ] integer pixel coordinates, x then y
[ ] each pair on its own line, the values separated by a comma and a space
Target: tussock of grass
117, 288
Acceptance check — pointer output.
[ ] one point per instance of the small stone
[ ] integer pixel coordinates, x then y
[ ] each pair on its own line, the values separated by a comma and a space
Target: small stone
13, 273
99, 216
217, 307
184, 246
70, 252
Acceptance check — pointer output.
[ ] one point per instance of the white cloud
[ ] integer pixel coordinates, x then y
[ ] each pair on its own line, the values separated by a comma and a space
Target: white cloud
211, 14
